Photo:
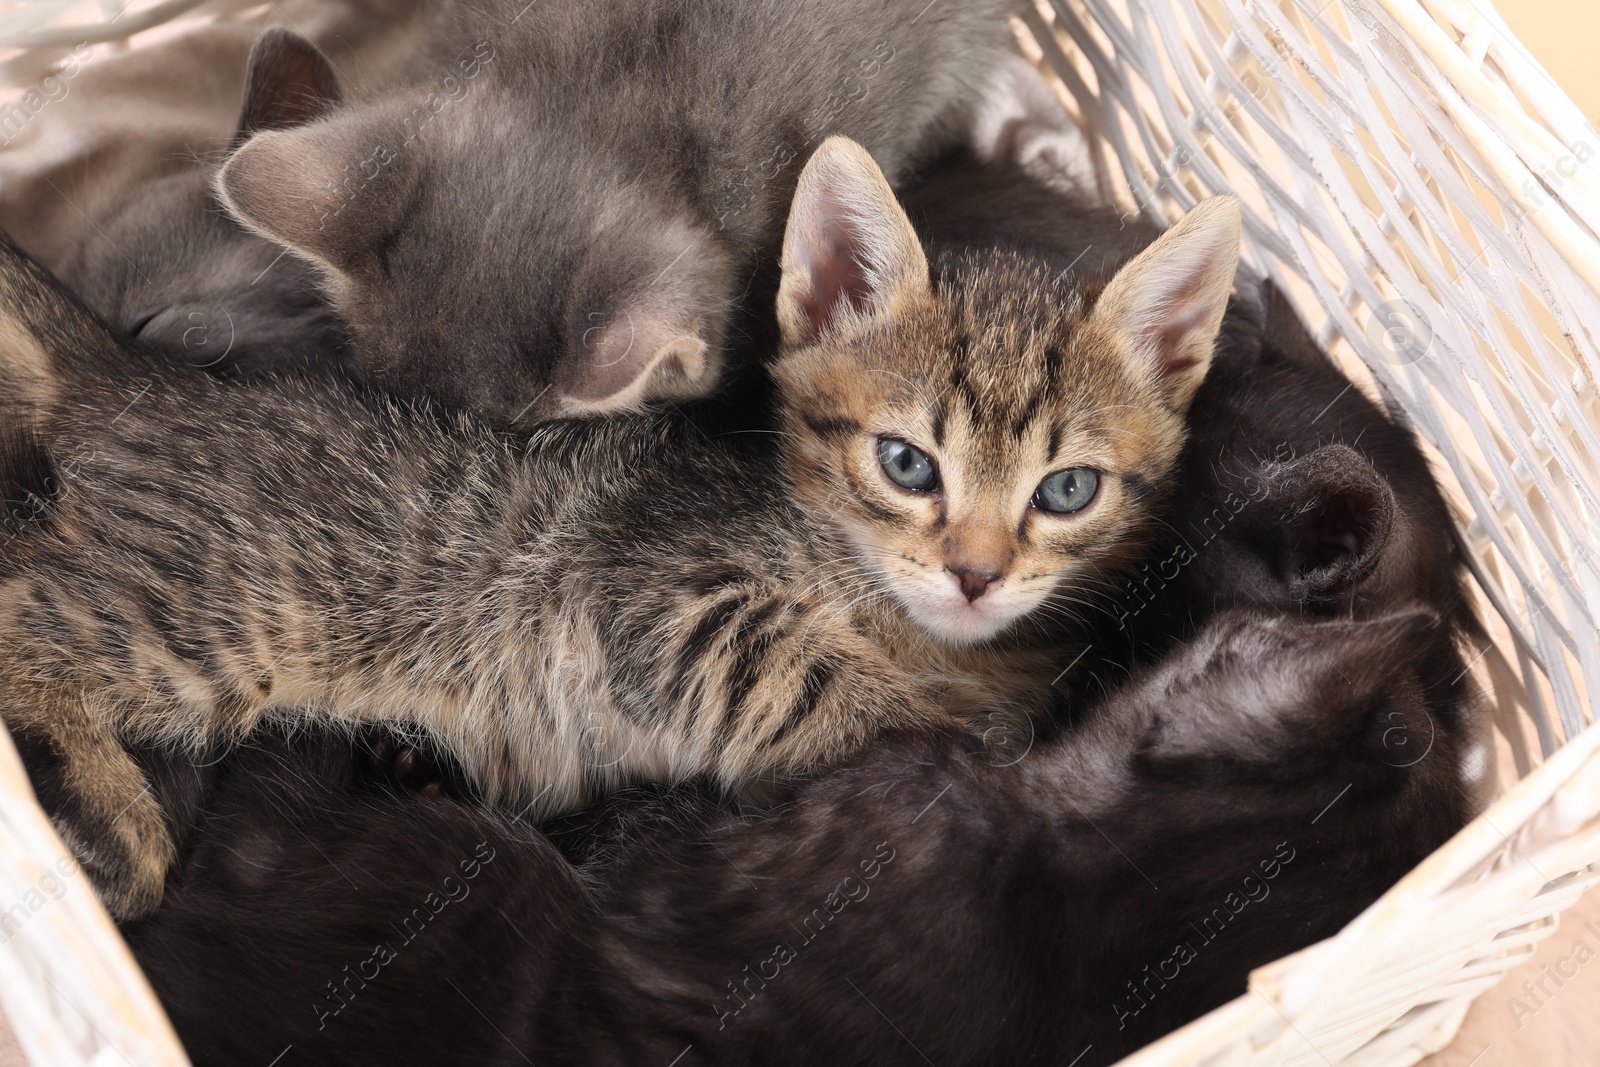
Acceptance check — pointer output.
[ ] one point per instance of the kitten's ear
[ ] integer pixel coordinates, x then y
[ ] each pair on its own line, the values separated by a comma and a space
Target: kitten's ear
639, 356
1325, 682
849, 252
331, 190
1338, 668
1168, 301
1334, 513
1288, 335
288, 83
645, 304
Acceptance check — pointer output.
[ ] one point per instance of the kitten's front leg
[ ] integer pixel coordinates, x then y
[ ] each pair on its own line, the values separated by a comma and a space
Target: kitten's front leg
99, 800
799, 699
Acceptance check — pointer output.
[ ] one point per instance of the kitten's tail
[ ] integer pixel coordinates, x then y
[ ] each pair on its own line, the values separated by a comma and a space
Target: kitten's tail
49, 342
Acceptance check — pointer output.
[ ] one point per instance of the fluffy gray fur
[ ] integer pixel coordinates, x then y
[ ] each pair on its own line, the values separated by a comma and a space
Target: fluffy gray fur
564, 213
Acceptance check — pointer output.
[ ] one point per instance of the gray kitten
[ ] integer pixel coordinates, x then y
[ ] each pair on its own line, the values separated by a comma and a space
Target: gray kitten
564, 216
111, 187
191, 283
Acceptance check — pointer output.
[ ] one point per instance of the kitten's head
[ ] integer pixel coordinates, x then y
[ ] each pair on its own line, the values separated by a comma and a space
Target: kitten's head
192, 284
1341, 511
499, 257
1284, 694
998, 436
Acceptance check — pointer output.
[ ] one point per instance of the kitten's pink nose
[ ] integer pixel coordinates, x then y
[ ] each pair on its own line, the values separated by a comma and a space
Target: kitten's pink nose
974, 583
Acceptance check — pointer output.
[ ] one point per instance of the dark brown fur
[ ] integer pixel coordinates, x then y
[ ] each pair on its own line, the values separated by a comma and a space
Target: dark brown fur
1029, 911
919, 902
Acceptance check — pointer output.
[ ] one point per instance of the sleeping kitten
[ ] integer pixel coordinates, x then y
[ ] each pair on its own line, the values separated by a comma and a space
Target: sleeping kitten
110, 187
570, 230
191, 283
920, 901
606, 600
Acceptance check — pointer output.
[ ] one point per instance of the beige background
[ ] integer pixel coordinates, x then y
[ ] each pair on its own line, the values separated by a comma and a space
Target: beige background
1563, 35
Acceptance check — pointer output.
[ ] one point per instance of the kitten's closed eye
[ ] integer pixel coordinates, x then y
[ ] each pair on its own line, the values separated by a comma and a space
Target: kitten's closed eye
143, 319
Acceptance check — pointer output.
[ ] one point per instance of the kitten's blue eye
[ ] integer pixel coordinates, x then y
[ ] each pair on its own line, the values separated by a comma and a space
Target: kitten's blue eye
1065, 492
907, 465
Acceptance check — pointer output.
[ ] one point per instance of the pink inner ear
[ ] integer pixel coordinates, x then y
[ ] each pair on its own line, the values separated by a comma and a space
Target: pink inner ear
638, 341
848, 246
836, 276
1170, 327
612, 357
1171, 338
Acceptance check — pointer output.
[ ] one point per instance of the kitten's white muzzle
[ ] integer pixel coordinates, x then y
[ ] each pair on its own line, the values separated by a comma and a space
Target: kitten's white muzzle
938, 606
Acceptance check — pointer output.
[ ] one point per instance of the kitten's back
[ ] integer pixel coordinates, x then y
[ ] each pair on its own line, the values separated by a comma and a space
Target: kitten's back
959, 201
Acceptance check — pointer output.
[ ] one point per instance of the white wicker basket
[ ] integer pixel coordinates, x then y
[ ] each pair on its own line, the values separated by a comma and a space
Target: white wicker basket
1431, 200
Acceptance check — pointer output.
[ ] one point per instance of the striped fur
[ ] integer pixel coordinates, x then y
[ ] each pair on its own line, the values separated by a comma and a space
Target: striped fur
601, 602
1003, 369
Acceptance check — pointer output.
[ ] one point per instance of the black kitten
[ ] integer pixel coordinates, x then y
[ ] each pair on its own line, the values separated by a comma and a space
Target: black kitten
1237, 801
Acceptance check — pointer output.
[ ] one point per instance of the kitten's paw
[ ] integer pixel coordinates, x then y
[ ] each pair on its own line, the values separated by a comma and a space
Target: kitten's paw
1020, 121
126, 856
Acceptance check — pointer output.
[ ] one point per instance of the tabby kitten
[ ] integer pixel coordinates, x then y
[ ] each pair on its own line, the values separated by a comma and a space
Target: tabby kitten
606, 600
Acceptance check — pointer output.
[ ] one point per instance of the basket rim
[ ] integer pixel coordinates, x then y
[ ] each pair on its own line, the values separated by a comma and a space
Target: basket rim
1261, 1013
